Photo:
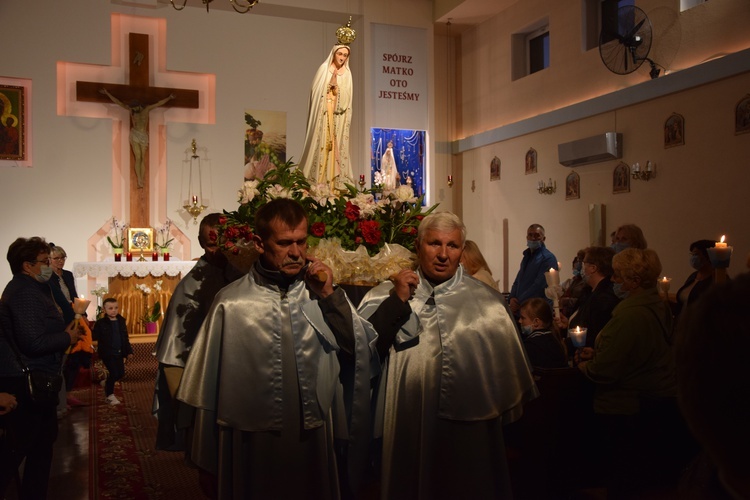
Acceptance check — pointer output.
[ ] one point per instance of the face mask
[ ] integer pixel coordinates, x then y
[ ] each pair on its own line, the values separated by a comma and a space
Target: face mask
45, 275
619, 246
533, 245
578, 267
619, 292
695, 261
576, 272
526, 329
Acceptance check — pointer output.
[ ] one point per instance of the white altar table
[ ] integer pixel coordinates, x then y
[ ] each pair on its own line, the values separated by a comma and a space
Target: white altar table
120, 278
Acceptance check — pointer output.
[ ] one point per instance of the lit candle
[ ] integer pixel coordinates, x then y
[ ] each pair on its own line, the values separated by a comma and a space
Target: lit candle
155, 256
195, 199
362, 178
80, 305
129, 257
578, 336
720, 254
664, 284
721, 244
450, 178
553, 277
166, 255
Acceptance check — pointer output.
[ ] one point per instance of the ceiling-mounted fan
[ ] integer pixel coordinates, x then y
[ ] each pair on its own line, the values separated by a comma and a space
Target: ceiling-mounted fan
624, 46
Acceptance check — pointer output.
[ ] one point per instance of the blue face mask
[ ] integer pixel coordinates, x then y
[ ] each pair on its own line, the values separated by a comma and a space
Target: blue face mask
619, 292
533, 245
695, 261
619, 246
526, 330
576, 272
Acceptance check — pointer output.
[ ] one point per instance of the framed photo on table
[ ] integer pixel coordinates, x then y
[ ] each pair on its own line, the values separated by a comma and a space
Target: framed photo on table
141, 239
13, 123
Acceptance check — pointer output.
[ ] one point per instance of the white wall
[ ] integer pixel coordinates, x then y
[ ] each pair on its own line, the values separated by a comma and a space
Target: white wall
260, 62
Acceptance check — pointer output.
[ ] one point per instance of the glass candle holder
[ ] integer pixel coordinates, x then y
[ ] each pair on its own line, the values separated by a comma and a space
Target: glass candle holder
578, 336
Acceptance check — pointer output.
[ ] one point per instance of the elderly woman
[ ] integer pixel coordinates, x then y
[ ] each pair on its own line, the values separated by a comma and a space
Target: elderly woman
632, 368
33, 326
64, 291
595, 308
628, 236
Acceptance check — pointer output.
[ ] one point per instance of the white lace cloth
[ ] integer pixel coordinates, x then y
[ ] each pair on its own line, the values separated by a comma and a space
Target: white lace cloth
110, 268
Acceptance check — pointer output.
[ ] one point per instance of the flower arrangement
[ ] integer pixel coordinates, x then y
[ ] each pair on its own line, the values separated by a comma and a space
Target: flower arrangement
363, 235
150, 315
162, 235
119, 233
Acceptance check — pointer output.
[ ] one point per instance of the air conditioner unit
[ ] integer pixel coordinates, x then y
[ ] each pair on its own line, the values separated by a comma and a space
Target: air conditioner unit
603, 147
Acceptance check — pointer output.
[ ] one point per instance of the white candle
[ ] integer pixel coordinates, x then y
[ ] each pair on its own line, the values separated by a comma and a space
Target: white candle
720, 244
554, 277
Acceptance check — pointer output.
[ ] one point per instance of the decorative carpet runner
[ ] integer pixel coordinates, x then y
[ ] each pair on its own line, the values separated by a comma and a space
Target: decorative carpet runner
122, 458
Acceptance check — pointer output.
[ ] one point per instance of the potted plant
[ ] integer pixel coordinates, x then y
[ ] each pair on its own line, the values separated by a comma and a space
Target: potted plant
119, 237
150, 314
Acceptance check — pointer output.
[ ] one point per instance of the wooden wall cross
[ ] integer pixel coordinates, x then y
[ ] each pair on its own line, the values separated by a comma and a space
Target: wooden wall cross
139, 97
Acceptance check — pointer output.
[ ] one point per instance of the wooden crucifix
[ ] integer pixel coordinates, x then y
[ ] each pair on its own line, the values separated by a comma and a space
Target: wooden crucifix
139, 98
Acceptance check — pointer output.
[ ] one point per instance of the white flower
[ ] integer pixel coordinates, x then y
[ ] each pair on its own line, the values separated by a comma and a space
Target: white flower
366, 203
278, 191
322, 194
405, 193
144, 288
157, 285
378, 181
248, 192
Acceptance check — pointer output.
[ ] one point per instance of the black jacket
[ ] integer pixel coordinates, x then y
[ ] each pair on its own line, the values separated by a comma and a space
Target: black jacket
28, 312
103, 334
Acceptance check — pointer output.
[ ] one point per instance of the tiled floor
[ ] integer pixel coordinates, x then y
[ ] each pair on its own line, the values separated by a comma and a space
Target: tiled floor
69, 478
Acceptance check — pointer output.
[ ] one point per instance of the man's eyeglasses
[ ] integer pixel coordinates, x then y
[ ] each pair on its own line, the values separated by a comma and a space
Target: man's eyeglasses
43, 261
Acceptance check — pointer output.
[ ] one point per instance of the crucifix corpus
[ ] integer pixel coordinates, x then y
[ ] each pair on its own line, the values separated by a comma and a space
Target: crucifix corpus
139, 98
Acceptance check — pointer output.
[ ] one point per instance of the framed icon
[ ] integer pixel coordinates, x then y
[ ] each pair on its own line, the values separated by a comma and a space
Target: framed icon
621, 178
531, 161
674, 131
495, 169
572, 186
141, 239
13, 124
742, 116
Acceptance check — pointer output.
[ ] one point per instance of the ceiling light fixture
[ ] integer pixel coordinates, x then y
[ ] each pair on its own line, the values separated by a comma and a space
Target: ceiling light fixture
241, 6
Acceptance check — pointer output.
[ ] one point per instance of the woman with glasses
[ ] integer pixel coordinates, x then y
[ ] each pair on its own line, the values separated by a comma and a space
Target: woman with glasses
32, 325
63, 287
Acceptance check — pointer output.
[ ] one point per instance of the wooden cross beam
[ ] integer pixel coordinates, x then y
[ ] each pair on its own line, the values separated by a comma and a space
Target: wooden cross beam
139, 97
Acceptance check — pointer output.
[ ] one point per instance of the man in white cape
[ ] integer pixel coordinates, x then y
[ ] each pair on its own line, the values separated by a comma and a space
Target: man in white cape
455, 374
285, 363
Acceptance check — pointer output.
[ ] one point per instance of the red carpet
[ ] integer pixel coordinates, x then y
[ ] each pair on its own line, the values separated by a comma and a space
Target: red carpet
123, 462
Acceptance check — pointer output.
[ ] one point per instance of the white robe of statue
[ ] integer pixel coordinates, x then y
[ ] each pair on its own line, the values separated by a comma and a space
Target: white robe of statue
326, 152
388, 169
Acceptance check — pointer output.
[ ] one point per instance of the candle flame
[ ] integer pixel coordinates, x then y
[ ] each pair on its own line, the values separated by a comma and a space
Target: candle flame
722, 238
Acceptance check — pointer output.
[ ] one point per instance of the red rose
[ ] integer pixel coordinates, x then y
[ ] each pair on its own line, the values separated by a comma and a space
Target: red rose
409, 230
358, 240
318, 229
231, 233
246, 232
222, 220
419, 217
351, 212
370, 230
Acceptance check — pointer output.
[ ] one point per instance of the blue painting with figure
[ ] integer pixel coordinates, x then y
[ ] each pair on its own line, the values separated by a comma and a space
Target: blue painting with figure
397, 157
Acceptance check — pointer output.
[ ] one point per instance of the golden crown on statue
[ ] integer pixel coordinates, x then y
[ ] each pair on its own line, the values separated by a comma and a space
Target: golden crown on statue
345, 34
